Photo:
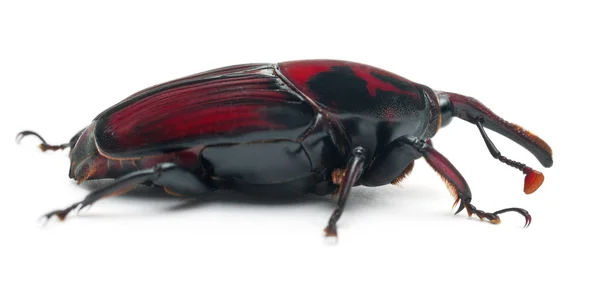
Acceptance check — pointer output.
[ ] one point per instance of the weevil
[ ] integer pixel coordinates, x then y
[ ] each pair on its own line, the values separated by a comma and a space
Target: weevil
308, 126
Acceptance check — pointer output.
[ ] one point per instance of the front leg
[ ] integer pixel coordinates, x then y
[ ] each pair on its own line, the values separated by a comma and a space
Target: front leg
459, 187
353, 172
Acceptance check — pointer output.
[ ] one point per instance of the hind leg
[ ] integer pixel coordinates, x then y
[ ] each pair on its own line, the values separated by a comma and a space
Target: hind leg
173, 178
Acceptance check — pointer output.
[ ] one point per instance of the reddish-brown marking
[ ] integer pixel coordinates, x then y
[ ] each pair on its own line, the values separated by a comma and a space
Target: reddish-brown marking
300, 73
454, 181
225, 106
209, 73
451, 188
168, 191
91, 168
337, 175
537, 140
87, 175
404, 173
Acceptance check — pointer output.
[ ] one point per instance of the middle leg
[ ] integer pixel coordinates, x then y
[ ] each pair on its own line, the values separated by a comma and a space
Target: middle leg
353, 172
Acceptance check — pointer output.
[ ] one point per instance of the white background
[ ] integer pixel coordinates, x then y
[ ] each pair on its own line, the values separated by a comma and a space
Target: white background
533, 63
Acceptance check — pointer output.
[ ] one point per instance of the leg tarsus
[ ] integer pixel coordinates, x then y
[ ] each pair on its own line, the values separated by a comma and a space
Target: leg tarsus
521, 211
44, 146
331, 229
62, 214
493, 217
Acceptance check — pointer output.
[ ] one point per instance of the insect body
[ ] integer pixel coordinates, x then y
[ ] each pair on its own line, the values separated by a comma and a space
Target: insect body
312, 126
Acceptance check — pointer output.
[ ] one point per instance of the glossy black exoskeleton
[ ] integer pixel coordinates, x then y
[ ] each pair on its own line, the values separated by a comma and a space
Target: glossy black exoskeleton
312, 126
